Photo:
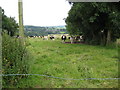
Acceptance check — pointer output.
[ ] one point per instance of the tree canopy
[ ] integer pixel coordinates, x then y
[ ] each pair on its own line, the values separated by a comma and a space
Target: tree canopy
97, 22
9, 24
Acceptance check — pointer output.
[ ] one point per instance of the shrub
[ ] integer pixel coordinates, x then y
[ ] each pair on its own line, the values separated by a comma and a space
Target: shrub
15, 60
118, 44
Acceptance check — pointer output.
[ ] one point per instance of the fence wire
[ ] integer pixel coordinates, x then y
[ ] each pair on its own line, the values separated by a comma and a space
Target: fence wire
59, 77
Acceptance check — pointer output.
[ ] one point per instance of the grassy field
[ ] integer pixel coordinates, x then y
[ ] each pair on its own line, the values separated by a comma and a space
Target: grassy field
75, 61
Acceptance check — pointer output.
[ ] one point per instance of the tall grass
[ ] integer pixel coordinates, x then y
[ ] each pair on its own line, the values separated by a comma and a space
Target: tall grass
15, 60
118, 44
76, 61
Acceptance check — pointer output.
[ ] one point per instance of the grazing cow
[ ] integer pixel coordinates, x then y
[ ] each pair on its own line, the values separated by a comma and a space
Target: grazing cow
41, 36
72, 39
63, 38
45, 38
77, 38
31, 36
81, 37
68, 37
51, 37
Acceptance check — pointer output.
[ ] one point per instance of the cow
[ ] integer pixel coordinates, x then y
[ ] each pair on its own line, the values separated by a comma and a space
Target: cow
68, 37
45, 37
52, 37
77, 38
72, 39
63, 38
31, 36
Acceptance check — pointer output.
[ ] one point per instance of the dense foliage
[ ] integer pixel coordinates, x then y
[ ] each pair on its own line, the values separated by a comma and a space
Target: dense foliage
15, 56
42, 31
15, 59
9, 24
98, 22
118, 45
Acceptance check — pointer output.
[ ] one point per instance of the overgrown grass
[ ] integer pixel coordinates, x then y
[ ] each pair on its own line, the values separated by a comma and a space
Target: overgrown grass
14, 60
76, 61
118, 45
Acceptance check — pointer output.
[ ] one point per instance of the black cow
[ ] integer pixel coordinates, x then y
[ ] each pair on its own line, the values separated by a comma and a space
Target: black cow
31, 36
63, 38
51, 37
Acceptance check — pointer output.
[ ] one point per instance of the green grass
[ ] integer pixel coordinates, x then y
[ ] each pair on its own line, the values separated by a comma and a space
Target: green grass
76, 61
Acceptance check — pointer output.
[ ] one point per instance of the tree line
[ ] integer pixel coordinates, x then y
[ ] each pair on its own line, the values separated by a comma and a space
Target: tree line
9, 24
43, 31
99, 23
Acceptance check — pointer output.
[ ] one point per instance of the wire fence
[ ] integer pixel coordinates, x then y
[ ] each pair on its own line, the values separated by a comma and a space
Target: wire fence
59, 77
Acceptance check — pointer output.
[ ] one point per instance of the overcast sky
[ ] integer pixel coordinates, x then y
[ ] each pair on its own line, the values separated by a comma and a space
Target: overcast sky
38, 12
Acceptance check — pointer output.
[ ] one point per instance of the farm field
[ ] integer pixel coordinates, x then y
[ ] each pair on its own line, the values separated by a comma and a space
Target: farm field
70, 62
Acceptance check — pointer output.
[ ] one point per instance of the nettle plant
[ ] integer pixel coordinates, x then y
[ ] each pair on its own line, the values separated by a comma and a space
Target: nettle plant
118, 44
15, 59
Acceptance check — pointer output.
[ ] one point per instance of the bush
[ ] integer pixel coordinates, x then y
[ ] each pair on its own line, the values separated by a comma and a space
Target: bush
118, 44
15, 60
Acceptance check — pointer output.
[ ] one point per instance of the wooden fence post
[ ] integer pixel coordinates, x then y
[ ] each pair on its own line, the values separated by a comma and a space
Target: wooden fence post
21, 27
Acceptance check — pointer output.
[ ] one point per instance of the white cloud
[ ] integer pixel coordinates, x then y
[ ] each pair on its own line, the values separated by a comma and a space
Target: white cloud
39, 12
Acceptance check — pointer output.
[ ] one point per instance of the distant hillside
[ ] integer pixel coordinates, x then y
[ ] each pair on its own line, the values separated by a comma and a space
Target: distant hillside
42, 31
61, 26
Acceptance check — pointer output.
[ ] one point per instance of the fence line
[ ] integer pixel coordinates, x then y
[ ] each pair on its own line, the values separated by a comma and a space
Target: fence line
59, 77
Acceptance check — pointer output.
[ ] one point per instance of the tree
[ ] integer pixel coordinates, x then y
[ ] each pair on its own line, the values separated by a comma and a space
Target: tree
98, 22
9, 24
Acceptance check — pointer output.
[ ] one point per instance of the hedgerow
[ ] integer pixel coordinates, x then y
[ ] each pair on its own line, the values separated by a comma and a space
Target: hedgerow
15, 60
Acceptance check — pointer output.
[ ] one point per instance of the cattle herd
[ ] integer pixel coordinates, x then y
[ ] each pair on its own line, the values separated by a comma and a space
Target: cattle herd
71, 39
